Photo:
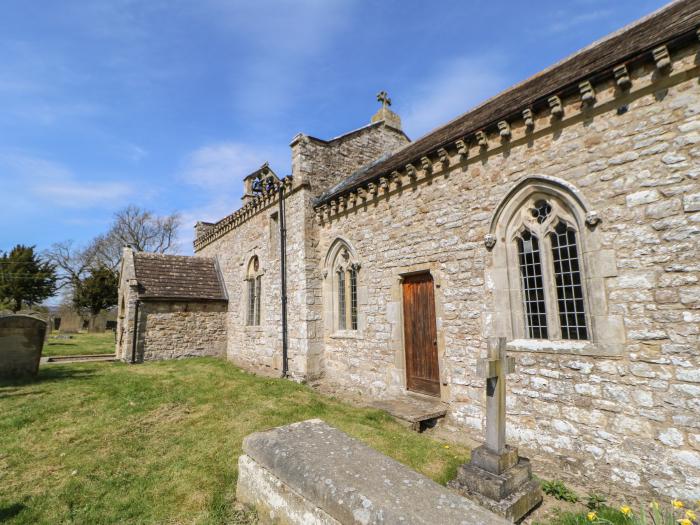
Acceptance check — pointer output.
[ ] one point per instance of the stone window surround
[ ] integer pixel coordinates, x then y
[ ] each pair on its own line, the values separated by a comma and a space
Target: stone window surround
606, 332
244, 296
330, 291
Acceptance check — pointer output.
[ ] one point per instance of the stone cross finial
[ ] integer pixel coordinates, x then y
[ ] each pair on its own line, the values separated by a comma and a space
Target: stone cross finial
494, 369
383, 97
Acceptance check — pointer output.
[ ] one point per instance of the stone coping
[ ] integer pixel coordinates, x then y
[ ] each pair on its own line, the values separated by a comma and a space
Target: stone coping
354, 483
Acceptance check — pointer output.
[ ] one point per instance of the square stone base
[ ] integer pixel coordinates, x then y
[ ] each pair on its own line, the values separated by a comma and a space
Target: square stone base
500, 482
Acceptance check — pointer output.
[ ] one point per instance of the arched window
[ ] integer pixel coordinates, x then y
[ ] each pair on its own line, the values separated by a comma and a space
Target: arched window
546, 278
545, 236
343, 270
254, 287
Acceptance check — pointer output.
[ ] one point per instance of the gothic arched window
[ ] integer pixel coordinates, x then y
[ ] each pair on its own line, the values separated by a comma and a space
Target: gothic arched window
344, 273
545, 236
254, 288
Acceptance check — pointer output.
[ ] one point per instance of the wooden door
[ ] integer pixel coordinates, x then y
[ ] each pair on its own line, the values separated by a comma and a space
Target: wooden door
420, 335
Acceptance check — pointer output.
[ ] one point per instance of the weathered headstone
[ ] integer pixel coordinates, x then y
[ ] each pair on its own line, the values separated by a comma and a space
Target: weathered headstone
496, 477
21, 342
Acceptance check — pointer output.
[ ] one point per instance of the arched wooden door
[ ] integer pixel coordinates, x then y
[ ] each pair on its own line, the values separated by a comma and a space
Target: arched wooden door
420, 335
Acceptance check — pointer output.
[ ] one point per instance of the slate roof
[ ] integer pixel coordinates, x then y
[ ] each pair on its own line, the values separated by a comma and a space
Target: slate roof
178, 277
678, 19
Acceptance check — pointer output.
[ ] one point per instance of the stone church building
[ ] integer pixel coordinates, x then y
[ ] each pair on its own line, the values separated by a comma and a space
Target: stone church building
563, 214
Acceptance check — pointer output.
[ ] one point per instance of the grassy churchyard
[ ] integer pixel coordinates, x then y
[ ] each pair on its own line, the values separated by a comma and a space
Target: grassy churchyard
58, 344
158, 443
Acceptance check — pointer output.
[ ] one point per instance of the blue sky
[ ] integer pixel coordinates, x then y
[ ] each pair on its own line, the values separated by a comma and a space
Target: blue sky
168, 104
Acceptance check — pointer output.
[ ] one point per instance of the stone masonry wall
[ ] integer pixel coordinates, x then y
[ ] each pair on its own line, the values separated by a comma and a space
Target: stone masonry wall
172, 330
321, 164
631, 419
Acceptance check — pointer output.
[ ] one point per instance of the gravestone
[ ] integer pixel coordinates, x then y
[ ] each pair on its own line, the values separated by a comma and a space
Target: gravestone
496, 477
309, 473
21, 342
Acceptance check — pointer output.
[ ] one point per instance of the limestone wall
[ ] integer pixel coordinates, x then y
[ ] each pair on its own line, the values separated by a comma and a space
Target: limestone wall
259, 348
172, 330
321, 164
629, 416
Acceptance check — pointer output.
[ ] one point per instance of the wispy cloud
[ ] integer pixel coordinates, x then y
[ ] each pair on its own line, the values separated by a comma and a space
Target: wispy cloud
453, 88
563, 21
221, 167
50, 181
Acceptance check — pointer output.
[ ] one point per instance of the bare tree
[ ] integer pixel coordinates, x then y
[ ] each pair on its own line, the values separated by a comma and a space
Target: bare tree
72, 263
143, 231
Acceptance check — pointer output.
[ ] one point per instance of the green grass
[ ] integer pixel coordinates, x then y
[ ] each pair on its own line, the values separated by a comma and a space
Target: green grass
158, 443
79, 344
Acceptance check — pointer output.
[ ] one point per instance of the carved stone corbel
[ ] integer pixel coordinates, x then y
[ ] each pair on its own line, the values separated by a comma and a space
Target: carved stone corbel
528, 118
372, 188
622, 76
341, 203
462, 149
443, 156
384, 184
662, 58
587, 93
593, 218
555, 107
396, 178
426, 164
504, 130
481, 140
334, 207
361, 193
411, 170
489, 241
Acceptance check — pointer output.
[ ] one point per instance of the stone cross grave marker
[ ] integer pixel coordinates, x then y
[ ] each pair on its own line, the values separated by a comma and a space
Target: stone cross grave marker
496, 476
494, 369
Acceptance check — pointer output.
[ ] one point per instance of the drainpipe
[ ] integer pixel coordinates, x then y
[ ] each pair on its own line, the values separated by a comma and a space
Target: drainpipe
136, 331
283, 272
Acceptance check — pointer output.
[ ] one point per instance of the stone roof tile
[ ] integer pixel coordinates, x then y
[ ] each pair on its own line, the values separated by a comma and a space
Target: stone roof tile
178, 277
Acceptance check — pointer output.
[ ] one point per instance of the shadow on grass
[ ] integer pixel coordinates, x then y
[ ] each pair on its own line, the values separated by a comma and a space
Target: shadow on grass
11, 510
48, 374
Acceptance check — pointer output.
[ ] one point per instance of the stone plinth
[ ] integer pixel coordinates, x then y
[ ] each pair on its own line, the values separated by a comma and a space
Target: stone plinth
21, 342
312, 473
500, 482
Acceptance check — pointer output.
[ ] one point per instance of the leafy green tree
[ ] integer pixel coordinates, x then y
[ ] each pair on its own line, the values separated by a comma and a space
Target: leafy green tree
25, 279
96, 292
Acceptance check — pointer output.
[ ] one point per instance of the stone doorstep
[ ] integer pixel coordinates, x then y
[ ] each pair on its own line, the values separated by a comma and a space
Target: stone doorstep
412, 408
349, 481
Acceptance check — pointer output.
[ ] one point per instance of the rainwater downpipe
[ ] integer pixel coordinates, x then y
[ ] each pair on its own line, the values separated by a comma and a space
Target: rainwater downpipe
136, 332
283, 272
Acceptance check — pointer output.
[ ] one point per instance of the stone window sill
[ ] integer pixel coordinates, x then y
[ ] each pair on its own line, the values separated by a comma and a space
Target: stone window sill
546, 346
252, 328
346, 334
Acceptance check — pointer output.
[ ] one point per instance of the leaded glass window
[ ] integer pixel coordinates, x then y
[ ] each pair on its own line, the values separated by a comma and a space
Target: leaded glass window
353, 298
567, 273
533, 288
254, 284
342, 307
550, 273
